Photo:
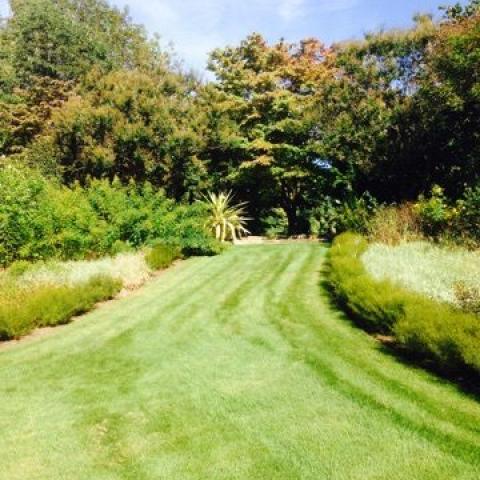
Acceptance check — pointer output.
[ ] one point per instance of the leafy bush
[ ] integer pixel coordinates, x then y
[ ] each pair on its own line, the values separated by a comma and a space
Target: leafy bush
395, 224
23, 310
201, 245
467, 222
185, 226
162, 256
40, 219
422, 326
274, 224
435, 213
332, 217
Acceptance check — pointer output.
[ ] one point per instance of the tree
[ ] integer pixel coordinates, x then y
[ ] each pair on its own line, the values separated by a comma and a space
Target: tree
263, 118
47, 49
65, 39
130, 125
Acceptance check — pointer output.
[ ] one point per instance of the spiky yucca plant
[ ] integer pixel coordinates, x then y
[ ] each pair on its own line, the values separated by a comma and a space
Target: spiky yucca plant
227, 220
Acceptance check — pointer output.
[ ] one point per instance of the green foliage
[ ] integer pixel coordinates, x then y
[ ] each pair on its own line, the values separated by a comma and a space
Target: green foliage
274, 224
197, 243
448, 337
424, 327
467, 221
333, 217
19, 268
131, 125
459, 11
22, 310
65, 39
263, 120
41, 219
435, 213
161, 256
377, 306
85, 94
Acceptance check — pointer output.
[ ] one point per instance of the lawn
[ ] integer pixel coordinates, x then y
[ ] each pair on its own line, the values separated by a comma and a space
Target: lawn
233, 367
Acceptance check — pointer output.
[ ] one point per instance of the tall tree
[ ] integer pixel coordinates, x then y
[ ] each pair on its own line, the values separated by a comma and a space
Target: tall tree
130, 125
264, 119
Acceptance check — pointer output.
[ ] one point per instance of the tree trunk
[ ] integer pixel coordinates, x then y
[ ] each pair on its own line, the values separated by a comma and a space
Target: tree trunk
292, 216
290, 203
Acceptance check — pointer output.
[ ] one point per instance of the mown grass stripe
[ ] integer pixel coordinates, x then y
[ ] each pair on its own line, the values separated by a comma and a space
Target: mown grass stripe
229, 368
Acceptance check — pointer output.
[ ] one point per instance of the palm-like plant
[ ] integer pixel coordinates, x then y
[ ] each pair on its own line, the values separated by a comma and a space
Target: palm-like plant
227, 220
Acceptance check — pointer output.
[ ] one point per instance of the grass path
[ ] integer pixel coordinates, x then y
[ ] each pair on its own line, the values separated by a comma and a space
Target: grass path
233, 367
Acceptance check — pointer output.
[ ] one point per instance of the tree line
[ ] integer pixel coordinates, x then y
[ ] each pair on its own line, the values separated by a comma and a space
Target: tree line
86, 94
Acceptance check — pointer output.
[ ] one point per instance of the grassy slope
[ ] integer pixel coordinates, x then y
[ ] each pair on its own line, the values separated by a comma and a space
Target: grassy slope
228, 368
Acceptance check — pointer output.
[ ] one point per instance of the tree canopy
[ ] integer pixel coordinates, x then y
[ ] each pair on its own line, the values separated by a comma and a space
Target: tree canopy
85, 93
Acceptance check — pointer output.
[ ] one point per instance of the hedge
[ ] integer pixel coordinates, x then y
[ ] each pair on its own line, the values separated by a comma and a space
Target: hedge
423, 327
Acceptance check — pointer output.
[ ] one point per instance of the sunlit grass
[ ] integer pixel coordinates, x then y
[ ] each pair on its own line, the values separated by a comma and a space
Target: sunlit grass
205, 376
424, 268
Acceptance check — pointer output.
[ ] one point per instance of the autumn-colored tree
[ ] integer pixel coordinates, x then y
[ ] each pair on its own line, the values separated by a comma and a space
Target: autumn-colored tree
48, 47
264, 119
24, 112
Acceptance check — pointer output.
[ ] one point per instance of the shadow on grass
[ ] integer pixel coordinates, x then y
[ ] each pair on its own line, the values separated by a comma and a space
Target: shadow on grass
467, 381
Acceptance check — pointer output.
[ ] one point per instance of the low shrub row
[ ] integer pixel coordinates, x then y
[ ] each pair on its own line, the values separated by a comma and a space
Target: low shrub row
23, 310
425, 328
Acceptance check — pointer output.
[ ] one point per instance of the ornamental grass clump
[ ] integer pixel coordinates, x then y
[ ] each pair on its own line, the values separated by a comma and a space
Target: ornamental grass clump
24, 309
226, 220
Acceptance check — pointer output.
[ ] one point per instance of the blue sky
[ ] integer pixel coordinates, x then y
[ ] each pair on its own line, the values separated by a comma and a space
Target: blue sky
195, 27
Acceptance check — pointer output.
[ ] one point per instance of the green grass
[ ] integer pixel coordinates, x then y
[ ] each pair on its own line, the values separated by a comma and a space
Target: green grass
232, 367
424, 268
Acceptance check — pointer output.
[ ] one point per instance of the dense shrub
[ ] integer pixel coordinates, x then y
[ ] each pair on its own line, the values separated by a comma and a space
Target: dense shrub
185, 227
40, 219
377, 306
467, 222
274, 223
333, 217
435, 213
23, 310
422, 326
199, 244
162, 256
